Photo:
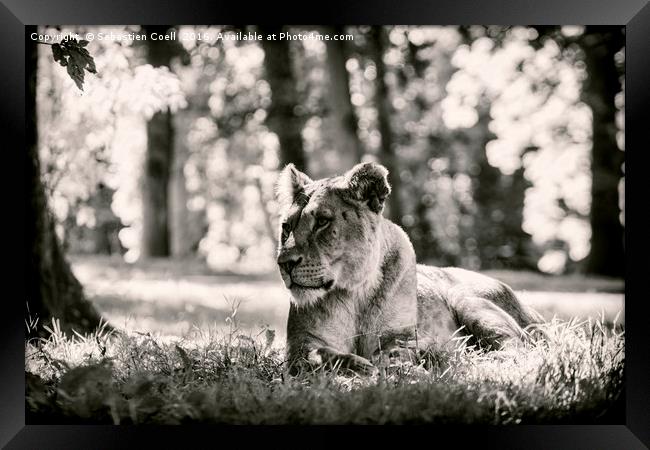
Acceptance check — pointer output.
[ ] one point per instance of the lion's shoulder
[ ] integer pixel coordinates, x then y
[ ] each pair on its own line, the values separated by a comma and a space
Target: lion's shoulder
396, 240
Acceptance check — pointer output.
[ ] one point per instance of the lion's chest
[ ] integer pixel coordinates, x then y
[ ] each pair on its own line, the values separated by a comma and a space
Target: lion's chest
361, 329
369, 329
349, 328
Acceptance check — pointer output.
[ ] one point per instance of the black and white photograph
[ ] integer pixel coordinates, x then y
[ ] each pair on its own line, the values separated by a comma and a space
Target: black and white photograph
325, 225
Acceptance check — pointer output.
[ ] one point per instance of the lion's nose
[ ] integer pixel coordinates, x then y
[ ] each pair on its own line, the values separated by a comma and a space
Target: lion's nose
288, 263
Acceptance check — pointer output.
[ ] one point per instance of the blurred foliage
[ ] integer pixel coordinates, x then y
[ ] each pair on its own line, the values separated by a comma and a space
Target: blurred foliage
491, 135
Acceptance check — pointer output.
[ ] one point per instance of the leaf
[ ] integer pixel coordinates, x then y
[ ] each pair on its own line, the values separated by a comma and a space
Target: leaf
187, 362
76, 75
72, 55
58, 54
91, 66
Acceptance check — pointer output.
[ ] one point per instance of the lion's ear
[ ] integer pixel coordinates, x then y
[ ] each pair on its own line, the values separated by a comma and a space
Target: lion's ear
369, 182
290, 182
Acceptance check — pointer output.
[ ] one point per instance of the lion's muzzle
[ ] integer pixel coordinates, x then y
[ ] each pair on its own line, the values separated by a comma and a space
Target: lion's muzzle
298, 274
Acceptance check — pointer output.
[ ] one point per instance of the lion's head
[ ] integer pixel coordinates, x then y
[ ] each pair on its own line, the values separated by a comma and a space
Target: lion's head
328, 230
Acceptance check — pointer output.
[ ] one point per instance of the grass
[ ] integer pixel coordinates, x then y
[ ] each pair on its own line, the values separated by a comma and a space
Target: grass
574, 375
187, 356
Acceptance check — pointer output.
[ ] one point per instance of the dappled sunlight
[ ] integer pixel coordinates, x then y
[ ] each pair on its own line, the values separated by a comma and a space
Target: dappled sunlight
456, 97
540, 109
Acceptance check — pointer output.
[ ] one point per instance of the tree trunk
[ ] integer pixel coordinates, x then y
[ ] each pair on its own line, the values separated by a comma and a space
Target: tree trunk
52, 289
158, 159
387, 154
181, 241
607, 253
340, 123
282, 118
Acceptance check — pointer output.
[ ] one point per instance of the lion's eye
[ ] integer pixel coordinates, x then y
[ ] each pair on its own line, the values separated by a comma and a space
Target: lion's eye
286, 229
322, 222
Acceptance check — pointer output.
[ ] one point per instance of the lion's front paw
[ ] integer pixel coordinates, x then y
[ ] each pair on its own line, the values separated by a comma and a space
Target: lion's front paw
360, 365
395, 355
332, 359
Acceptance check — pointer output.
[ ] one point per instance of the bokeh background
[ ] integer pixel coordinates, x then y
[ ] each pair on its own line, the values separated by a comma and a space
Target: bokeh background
505, 147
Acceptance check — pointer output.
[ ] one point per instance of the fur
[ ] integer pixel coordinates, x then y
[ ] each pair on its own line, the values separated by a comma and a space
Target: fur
356, 290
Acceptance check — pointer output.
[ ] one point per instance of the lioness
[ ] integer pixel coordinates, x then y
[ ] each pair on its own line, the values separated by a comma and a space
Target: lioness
355, 287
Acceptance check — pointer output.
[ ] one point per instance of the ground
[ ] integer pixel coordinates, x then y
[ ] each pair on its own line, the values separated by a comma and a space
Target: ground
200, 347
172, 297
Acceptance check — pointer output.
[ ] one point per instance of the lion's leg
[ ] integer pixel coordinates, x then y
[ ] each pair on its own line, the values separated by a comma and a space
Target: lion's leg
331, 358
488, 323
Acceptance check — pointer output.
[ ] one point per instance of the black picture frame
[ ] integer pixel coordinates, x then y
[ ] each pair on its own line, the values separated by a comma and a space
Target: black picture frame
633, 433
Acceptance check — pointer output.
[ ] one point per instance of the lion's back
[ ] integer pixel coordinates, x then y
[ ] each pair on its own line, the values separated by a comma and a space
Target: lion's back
435, 283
